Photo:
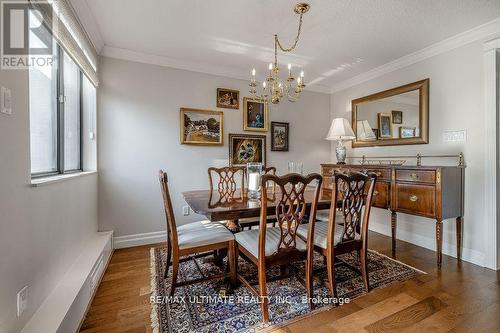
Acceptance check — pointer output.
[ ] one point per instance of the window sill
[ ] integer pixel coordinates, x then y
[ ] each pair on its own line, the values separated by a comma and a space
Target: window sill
59, 178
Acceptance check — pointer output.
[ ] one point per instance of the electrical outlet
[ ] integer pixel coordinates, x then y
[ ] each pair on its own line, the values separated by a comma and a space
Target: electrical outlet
455, 136
22, 301
186, 210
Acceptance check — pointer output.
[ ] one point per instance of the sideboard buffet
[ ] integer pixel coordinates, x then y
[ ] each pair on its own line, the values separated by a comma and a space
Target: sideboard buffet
435, 192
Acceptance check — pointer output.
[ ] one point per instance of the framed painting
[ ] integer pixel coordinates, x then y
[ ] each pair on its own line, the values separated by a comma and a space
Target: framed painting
228, 98
279, 136
397, 117
245, 148
407, 132
255, 115
202, 127
385, 125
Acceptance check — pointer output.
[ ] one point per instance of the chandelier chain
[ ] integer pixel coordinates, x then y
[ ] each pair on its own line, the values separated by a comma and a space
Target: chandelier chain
291, 48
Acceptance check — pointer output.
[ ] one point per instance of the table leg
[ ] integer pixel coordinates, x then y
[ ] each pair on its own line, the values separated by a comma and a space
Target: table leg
460, 222
394, 220
439, 242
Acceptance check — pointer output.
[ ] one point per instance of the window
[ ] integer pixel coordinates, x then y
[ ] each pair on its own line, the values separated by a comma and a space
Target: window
55, 99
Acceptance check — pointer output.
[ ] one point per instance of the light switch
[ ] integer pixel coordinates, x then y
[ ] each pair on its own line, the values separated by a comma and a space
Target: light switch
455, 136
6, 101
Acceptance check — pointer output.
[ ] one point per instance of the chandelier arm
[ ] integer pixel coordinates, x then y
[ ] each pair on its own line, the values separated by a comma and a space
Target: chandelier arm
291, 48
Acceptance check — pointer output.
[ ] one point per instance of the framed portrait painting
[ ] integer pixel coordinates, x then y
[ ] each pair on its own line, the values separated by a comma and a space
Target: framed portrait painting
201, 127
397, 117
279, 136
228, 98
245, 148
255, 115
385, 125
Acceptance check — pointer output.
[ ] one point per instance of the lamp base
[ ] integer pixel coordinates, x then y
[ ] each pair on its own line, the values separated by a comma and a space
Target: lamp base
340, 152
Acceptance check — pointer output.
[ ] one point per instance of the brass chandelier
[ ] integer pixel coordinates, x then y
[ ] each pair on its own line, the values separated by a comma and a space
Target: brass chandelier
273, 87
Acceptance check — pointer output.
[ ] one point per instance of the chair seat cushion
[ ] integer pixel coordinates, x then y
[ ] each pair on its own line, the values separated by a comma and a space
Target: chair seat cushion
254, 220
250, 241
202, 233
321, 233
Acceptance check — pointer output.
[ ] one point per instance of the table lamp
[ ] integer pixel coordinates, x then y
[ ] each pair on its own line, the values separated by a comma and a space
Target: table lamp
341, 131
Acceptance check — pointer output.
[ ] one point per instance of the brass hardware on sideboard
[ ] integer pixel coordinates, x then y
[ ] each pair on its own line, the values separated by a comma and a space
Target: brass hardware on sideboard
364, 159
413, 198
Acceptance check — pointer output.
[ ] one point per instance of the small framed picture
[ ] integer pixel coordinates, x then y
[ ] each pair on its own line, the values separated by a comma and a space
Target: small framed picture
397, 117
407, 132
245, 148
201, 127
228, 98
279, 136
255, 115
375, 131
385, 125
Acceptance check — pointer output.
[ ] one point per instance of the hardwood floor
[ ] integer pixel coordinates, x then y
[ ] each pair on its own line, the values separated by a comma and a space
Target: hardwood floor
459, 298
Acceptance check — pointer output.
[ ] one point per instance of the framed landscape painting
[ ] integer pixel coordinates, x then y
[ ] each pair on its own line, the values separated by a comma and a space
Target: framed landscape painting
244, 148
201, 127
279, 136
385, 125
255, 115
227, 98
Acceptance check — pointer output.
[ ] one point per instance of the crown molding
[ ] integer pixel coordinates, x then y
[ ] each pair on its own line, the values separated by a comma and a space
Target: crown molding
88, 22
146, 58
483, 31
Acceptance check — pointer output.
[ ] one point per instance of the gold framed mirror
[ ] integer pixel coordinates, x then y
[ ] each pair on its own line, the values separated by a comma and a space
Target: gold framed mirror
398, 116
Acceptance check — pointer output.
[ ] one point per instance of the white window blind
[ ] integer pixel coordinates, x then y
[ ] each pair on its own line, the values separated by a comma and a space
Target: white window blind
72, 138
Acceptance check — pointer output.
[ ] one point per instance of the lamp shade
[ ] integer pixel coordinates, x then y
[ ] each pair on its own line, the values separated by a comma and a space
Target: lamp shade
340, 130
364, 130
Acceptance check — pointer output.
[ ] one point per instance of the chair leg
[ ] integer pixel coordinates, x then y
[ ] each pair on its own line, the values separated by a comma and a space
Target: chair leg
364, 268
169, 258
263, 293
330, 266
175, 271
233, 261
309, 281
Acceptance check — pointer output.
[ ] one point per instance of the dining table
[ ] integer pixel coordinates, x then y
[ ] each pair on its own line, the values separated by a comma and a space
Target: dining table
232, 206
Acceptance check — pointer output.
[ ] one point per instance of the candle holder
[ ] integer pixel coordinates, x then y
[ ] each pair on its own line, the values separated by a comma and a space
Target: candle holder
254, 173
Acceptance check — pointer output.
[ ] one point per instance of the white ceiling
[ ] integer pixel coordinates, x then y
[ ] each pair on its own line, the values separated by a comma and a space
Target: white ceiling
340, 39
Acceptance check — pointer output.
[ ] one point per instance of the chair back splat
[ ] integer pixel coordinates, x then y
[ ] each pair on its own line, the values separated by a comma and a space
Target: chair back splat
290, 209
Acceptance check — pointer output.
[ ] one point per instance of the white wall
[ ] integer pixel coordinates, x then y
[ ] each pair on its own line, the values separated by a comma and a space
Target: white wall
42, 230
456, 103
139, 134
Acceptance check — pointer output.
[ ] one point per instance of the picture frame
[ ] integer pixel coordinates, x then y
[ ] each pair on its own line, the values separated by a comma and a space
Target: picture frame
280, 133
255, 115
397, 117
385, 125
228, 98
407, 132
201, 127
375, 131
246, 148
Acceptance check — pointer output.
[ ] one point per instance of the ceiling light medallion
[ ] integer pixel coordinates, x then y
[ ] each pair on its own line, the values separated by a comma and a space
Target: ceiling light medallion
273, 87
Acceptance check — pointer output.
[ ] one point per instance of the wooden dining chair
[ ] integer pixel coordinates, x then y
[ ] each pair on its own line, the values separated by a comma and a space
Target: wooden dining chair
271, 246
194, 238
334, 237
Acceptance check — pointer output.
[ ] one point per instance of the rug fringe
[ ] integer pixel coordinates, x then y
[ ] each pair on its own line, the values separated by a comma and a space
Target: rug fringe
155, 321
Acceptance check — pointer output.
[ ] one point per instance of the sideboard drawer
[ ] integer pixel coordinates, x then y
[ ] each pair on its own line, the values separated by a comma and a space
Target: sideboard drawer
424, 176
384, 174
419, 199
381, 195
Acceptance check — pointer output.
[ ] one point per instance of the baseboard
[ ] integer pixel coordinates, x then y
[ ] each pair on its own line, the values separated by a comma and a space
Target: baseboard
64, 308
121, 242
468, 255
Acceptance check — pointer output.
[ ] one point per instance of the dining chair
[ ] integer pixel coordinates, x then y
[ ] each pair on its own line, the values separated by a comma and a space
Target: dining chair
194, 238
331, 238
271, 246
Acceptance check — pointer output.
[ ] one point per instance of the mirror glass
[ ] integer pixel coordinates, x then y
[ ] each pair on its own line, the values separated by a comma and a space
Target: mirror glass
393, 117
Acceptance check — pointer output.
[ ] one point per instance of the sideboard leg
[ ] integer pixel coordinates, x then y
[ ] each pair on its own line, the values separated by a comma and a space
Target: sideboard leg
394, 219
439, 242
460, 222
